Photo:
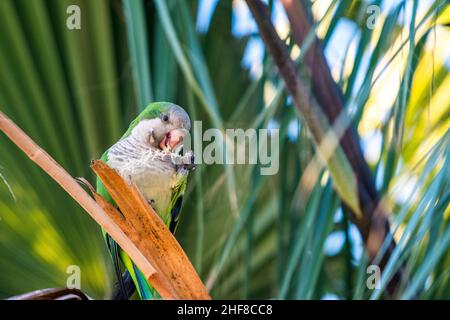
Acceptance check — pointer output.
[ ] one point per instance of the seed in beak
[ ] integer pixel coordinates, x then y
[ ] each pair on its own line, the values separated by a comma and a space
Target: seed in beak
167, 139
172, 139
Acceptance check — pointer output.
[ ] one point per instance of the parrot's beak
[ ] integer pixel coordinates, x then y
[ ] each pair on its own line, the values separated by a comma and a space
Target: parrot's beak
173, 139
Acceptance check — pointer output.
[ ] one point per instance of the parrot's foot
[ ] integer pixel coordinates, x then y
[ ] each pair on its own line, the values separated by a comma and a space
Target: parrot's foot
186, 161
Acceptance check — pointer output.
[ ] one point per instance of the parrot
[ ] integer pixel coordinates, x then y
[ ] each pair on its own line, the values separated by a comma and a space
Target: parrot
148, 155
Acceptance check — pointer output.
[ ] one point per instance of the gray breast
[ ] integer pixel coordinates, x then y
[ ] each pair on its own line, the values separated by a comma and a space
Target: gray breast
152, 173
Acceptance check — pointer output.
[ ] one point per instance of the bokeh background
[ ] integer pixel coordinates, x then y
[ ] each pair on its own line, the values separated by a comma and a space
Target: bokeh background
249, 236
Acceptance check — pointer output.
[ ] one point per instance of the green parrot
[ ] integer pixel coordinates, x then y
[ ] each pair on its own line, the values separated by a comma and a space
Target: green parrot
149, 155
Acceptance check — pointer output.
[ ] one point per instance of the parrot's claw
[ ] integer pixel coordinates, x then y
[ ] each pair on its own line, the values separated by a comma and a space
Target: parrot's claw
151, 203
189, 161
186, 161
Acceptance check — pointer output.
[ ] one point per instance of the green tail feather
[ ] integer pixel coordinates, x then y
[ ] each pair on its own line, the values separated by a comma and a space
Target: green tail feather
145, 291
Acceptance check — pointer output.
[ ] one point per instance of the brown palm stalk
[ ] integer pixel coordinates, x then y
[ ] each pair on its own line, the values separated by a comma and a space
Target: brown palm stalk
53, 294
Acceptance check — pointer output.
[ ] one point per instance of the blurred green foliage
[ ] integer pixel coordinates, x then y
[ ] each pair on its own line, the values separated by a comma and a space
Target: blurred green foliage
249, 236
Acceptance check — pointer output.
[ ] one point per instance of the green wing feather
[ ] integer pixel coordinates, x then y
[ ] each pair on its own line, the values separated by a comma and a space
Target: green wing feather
176, 203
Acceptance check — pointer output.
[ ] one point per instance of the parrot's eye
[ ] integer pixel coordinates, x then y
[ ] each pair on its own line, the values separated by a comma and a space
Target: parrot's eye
165, 118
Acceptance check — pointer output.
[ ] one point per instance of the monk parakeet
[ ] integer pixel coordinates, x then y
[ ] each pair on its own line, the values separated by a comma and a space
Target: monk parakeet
148, 155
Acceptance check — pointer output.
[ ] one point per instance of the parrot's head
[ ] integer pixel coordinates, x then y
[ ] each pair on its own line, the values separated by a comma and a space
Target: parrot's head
161, 125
